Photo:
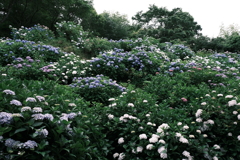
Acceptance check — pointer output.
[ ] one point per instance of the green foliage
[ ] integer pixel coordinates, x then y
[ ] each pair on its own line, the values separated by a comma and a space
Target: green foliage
167, 25
11, 49
113, 26
124, 66
94, 46
35, 33
28, 13
97, 89
53, 117
168, 106
68, 67
72, 32
179, 51
233, 43
30, 69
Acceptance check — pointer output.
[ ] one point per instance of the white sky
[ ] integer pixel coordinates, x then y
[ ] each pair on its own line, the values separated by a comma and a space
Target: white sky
210, 14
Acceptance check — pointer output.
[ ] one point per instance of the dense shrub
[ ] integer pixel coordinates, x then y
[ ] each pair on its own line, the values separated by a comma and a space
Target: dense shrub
124, 66
36, 33
11, 49
97, 89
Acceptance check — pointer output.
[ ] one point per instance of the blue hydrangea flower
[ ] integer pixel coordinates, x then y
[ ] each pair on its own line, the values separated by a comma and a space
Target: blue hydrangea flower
16, 102
5, 118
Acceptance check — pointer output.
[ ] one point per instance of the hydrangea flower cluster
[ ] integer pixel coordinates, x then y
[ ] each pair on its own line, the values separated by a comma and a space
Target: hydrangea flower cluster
23, 48
36, 33
181, 51
11, 143
95, 82
121, 65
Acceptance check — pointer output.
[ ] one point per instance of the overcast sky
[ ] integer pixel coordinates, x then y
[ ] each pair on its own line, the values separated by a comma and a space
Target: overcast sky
210, 14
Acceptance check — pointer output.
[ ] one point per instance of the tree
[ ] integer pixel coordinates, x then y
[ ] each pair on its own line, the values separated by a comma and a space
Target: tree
167, 25
112, 25
30, 12
225, 32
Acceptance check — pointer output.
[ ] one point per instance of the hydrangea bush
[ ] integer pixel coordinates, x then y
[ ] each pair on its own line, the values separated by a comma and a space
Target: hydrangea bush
40, 127
11, 49
178, 51
171, 106
96, 89
123, 66
31, 69
142, 129
36, 33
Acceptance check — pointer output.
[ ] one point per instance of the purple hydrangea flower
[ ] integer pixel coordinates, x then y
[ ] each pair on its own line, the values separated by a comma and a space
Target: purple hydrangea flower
7, 91
16, 102
5, 118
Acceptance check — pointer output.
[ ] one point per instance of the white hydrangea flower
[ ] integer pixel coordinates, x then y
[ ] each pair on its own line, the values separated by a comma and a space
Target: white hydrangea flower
179, 123
130, 105
238, 117
235, 112
232, 103
198, 113
115, 155
191, 136
162, 141
210, 122
162, 151
164, 126
216, 146
203, 103
121, 156
185, 127
110, 116
153, 139
183, 140
186, 154
215, 158
139, 149
198, 131
111, 99
143, 136
178, 135
229, 96
120, 140
238, 137
149, 147
199, 120
74, 72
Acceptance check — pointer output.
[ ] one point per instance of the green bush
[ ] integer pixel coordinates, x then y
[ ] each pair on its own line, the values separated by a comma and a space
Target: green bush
36, 33
179, 51
43, 120
96, 89
124, 66
11, 49
30, 69
94, 46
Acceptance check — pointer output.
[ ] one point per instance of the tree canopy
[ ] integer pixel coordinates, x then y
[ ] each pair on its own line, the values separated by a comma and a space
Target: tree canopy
167, 25
27, 12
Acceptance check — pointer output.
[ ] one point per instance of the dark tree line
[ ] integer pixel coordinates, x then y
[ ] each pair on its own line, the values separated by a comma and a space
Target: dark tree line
160, 23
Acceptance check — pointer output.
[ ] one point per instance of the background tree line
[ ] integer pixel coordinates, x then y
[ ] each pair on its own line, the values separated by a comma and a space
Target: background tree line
158, 22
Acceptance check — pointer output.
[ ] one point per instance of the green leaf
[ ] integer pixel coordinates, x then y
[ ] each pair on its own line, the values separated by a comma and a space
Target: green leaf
20, 130
36, 124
